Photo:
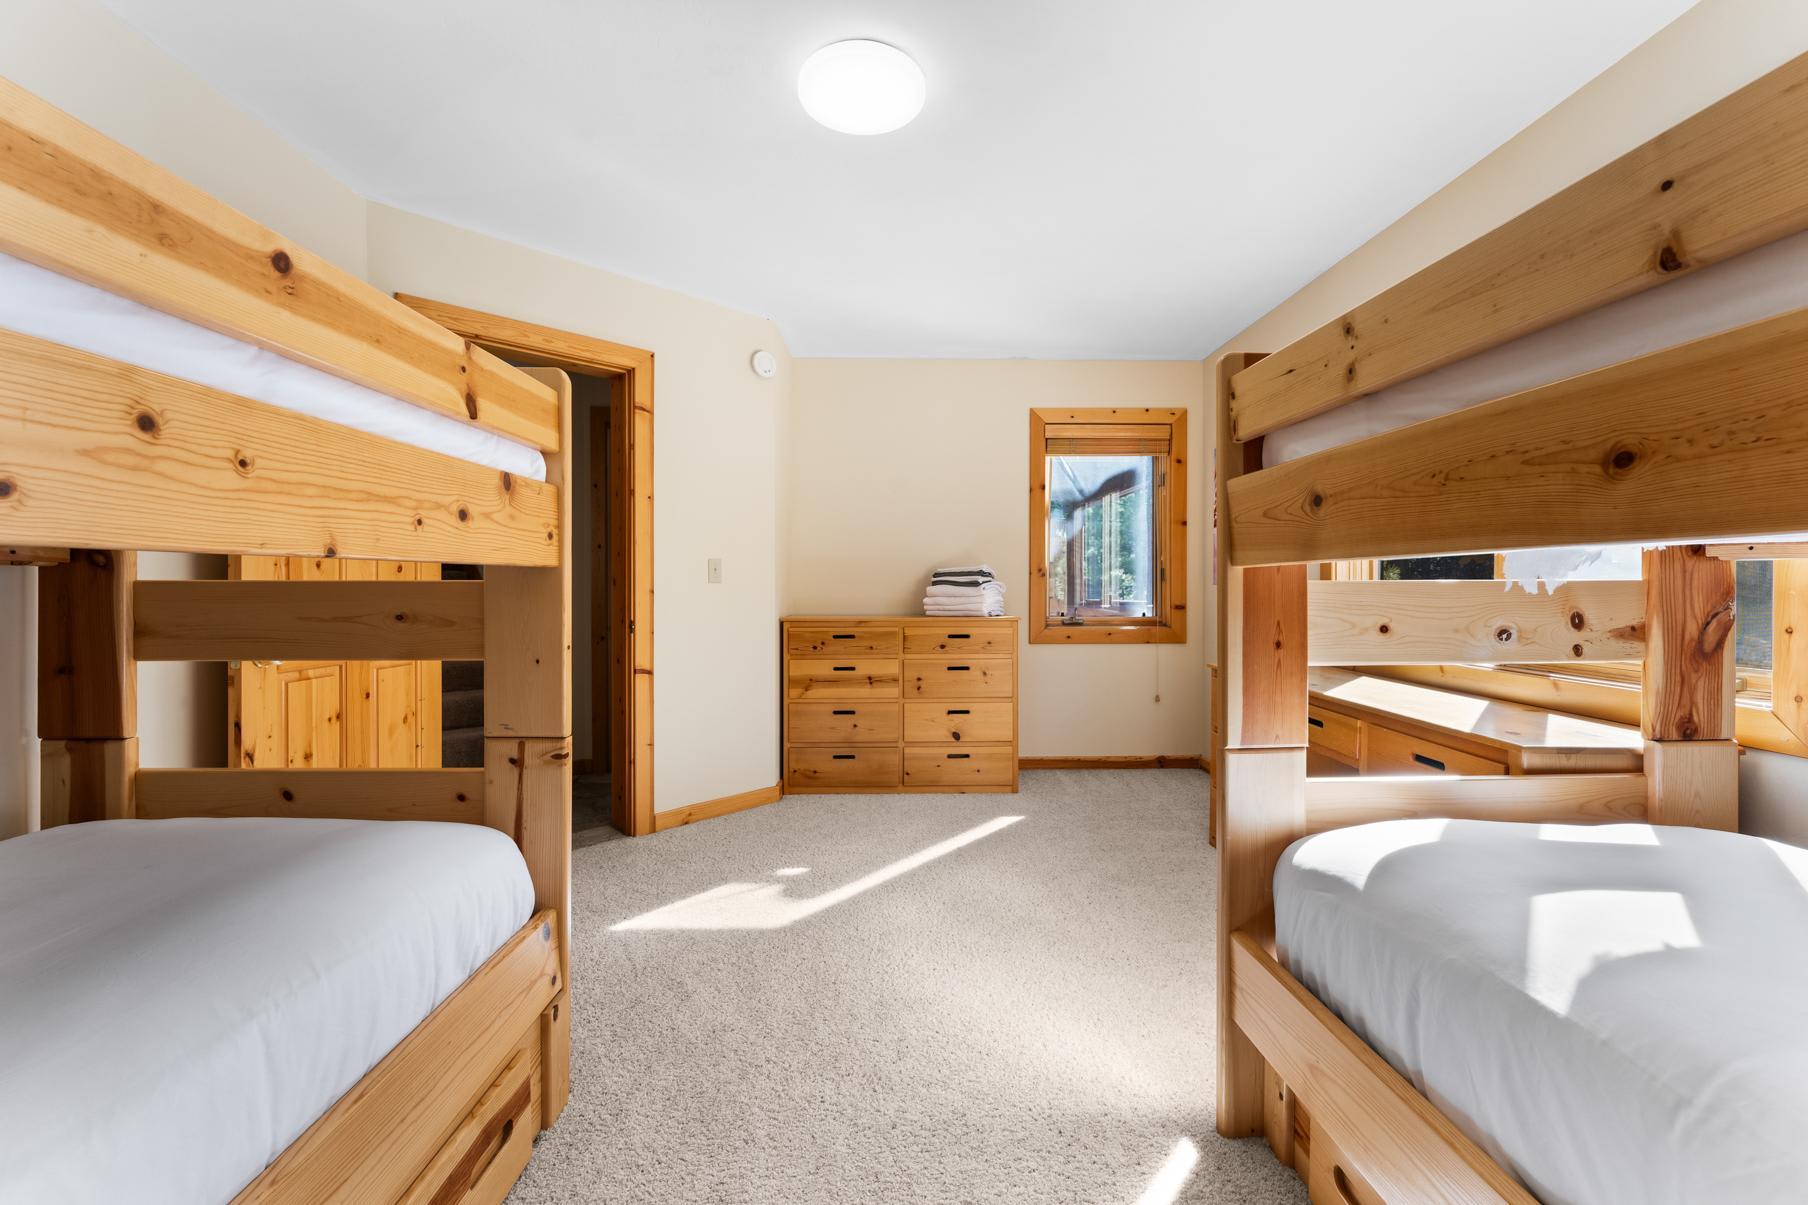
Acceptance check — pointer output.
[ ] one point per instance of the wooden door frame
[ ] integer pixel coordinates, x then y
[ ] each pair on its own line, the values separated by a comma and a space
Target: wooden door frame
631, 431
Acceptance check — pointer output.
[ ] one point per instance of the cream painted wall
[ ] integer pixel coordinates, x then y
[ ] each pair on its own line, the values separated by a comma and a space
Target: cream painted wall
74, 54
898, 466
1714, 49
715, 474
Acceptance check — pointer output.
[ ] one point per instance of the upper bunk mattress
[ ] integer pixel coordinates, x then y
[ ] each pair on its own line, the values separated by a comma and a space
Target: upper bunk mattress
47, 305
1615, 1013
1762, 283
180, 999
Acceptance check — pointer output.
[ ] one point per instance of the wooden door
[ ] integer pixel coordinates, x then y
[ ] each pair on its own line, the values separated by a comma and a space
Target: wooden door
332, 713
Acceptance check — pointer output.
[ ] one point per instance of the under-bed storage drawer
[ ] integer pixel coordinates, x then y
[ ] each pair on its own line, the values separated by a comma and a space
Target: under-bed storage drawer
1330, 1177
832, 766
959, 720
1334, 734
960, 678
485, 1155
1385, 751
848, 723
835, 678
959, 766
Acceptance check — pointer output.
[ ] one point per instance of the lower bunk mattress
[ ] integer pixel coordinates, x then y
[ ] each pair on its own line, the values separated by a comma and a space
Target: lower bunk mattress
180, 999
1614, 1013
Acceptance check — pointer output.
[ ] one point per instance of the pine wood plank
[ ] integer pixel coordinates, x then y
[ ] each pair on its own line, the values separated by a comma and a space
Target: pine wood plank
1731, 178
1707, 437
1266, 684
87, 680
1693, 783
76, 202
86, 780
1431, 623
1406, 1149
371, 1144
1688, 679
1528, 798
94, 451
308, 621
450, 795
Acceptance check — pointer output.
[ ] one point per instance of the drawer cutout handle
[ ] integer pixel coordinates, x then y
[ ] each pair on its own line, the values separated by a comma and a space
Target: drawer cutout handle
959, 669
960, 711
842, 636
842, 756
844, 669
960, 635
843, 711
1341, 1182
1433, 762
1315, 721
959, 756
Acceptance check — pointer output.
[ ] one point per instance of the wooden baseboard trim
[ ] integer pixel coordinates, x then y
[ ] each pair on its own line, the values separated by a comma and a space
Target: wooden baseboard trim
1161, 761
709, 809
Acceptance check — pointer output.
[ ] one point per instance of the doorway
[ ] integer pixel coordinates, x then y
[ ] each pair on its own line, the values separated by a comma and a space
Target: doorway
611, 490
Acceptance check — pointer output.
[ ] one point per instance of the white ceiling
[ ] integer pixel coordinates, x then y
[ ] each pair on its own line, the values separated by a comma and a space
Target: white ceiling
1088, 179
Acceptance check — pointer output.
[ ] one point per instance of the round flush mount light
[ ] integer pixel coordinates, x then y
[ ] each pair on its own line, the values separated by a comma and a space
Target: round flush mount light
861, 87
764, 364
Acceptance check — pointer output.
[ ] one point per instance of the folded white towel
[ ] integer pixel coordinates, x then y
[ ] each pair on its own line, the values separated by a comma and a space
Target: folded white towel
989, 590
932, 606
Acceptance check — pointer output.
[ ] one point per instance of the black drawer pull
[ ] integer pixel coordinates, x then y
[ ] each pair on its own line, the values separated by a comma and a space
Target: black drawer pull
960, 635
842, 756
842, 711
1315, 721
1433, 762
959, 756
960, 711
842, 636
959, 669
844, 669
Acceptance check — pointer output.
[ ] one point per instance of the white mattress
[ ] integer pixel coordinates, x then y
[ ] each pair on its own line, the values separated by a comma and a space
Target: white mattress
1762, 283
46, 305
180, 999
1615, 1013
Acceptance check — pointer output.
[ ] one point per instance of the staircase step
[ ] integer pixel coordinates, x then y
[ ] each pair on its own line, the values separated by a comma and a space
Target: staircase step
461, 747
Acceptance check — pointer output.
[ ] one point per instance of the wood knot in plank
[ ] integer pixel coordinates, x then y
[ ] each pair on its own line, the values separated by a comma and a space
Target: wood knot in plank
288, 795
1505, 634
1575, 650
508, 482
145, 421
7, 488
1621, 461
1666, 186
1384, 629
464, 514
1577, 620
1668, 260
471, 404
279, 259
1716, 630
242, 464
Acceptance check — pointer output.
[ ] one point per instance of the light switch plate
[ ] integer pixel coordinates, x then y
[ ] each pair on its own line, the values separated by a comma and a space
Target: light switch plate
715, 571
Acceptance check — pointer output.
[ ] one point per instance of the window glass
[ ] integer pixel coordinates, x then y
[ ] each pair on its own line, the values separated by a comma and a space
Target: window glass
1101, 537
1751, 627
1439, 568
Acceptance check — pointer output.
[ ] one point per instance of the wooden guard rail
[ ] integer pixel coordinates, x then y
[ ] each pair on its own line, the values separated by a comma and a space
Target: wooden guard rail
307, 621
1482, 622
1731, 178
453, 795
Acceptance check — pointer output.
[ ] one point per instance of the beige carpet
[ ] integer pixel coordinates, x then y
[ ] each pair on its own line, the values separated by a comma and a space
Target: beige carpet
875, 998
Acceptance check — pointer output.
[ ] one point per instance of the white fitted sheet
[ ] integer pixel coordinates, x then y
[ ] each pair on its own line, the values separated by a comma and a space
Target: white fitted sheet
180, 999
1762, 283
1615, 1013
47, 305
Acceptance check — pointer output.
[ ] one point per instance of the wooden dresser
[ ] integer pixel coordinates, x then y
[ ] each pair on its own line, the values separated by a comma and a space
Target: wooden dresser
899, 703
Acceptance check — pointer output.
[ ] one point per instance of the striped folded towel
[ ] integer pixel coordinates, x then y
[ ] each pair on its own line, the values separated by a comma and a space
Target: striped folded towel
970, 575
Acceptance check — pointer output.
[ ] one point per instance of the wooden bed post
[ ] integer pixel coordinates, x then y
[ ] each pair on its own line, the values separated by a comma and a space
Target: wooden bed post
1264, 794
527, 737
87, 688
1691, 756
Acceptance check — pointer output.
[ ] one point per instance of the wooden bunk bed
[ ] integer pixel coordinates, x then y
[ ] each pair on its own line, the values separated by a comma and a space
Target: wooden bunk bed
1668, 447
100, 457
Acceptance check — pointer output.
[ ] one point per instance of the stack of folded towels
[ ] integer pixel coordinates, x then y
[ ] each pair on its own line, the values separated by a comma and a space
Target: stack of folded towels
964, 590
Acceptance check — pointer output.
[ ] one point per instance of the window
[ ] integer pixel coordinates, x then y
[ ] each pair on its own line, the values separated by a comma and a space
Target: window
1752, 618
1108, 526
1482, 566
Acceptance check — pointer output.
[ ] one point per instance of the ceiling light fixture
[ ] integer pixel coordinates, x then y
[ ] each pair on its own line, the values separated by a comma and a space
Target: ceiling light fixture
861, 87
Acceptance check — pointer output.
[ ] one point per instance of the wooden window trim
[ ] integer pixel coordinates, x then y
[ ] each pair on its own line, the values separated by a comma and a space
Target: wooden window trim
1117, 425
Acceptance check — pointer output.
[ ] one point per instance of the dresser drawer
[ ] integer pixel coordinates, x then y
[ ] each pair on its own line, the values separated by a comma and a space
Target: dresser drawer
959, 720
952, 640
842, 766
848, 723
835, 678
957, 766
842, 642
1333, 733
959, 678
1388, 752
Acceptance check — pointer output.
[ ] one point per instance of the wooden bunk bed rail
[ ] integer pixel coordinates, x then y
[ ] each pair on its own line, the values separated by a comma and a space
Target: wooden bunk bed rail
451, 795
1477, 622
1729, 179
80, 204
307, 621
1705, 439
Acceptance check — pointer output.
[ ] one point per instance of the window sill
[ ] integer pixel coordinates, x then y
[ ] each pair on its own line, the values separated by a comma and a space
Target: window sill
1051, 632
